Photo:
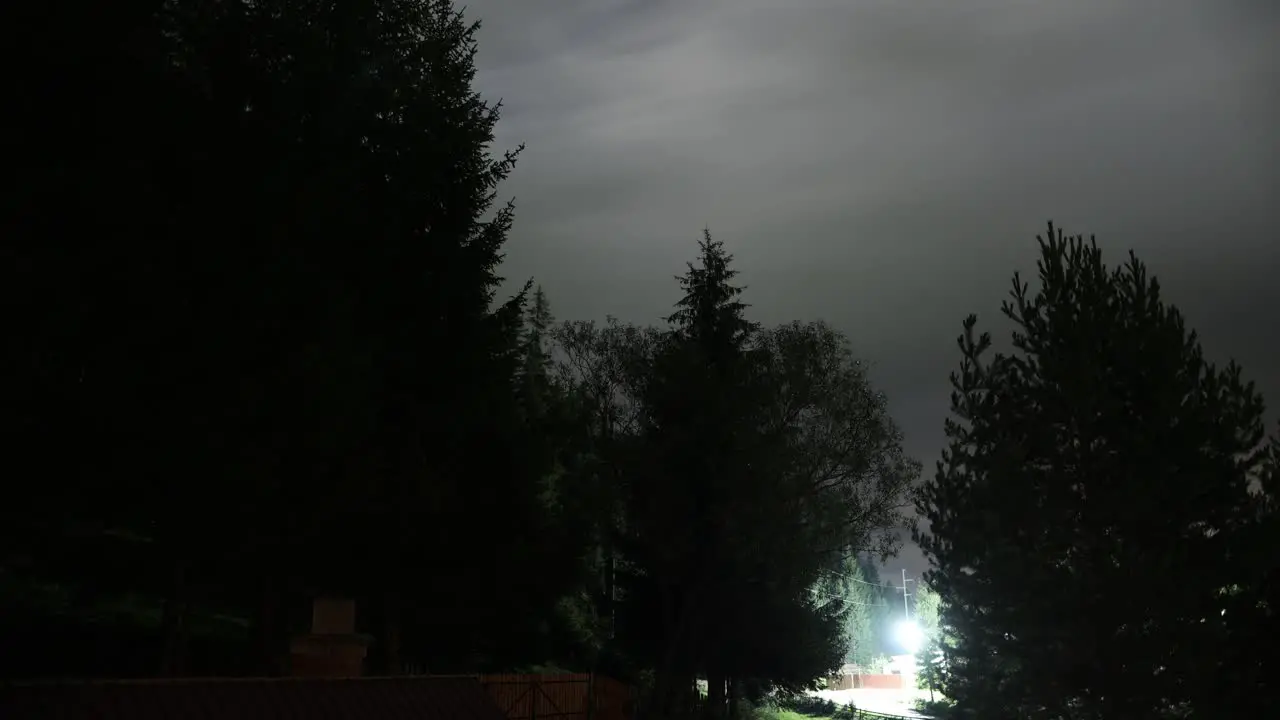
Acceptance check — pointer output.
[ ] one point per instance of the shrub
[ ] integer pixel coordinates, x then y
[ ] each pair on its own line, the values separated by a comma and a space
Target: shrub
807, 705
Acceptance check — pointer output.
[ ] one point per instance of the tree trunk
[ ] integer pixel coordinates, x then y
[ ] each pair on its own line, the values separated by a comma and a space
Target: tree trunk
174, 624
715, 691
269, 632
733, 692
394, 662
674, 676
658, 702
610, 580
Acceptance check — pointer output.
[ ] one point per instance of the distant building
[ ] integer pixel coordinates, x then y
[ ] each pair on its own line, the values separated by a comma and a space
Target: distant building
901, 665
852, 677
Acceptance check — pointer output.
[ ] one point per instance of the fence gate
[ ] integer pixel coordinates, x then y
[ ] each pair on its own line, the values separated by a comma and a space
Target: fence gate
540, 697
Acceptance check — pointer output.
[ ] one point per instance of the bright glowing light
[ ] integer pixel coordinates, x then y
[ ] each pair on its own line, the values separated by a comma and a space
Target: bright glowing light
909, 636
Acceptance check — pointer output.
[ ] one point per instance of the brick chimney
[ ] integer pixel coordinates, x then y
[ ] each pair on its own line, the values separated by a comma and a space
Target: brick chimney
332, 648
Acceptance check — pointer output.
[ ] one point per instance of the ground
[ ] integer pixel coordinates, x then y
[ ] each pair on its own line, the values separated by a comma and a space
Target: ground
889, 702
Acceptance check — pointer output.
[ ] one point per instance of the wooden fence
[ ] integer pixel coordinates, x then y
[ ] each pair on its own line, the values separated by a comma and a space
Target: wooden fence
869, 681
578, 696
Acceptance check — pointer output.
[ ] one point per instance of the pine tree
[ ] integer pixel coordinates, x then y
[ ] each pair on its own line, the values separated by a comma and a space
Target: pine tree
1240, 675
1081, 517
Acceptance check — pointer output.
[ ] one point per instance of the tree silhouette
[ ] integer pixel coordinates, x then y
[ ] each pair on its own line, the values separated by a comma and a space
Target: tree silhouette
766, 456
1103, 454
257, 322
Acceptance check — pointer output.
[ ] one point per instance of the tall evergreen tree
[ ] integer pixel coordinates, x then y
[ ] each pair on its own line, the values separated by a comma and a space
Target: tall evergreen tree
769, 457
699, 423
292, 354
536, 369
710, 315
1103, 454
1240, 674
737, 468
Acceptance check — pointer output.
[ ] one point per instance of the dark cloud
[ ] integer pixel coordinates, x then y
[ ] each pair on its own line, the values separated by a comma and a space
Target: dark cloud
885, 164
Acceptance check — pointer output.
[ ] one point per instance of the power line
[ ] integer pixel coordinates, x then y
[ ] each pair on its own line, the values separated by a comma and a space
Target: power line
846, 576
847, 602
842, 598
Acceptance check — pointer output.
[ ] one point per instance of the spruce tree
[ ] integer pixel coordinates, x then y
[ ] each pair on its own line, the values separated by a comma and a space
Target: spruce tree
698, 420
298, 330
710, 314
1081, 518
770, 457
734, 469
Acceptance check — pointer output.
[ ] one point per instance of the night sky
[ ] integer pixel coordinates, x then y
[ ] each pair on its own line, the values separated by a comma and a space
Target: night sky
886, 164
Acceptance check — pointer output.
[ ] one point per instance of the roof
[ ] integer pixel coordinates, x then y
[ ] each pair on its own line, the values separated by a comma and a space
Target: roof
403, 698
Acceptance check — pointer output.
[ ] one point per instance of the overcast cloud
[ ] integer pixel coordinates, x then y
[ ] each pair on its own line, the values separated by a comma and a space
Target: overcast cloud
885, 164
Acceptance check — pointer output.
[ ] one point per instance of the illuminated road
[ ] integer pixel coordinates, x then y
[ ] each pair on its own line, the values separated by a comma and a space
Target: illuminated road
889, 702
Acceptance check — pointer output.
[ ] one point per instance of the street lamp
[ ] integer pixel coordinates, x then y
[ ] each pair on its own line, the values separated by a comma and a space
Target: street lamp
909, 636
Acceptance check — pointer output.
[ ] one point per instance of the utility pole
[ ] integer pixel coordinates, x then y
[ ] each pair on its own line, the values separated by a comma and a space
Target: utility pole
906, 609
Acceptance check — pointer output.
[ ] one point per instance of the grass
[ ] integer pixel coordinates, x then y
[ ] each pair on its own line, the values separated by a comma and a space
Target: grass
935, 708
803, 708
793, 715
